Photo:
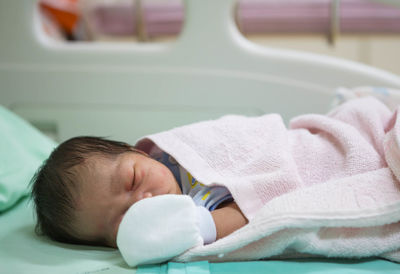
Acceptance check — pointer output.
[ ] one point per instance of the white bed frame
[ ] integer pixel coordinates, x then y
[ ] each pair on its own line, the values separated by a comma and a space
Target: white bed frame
125, 90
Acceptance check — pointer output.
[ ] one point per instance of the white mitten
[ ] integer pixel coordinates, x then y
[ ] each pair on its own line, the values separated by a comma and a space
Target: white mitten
157, 229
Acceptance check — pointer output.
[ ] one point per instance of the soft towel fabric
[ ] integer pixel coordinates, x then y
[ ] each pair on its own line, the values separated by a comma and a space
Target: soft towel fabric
321, 188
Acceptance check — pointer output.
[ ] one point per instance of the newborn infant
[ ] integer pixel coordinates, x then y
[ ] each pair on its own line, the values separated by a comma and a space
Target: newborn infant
102, 192
85, 187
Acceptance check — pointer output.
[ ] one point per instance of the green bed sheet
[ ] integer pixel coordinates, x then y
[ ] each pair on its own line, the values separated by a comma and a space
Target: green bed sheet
286, 267
21, 251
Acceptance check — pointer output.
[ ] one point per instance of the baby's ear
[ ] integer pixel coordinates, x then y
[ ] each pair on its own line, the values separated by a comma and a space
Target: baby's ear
148, 147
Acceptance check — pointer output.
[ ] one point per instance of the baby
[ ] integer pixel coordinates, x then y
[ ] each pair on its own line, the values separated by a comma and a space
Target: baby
96, 191
82, 191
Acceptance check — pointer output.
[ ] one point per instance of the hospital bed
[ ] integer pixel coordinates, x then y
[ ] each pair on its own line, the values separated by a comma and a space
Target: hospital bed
124, 91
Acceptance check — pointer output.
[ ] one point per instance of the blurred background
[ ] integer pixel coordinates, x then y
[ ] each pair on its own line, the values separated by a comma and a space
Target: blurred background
359, 30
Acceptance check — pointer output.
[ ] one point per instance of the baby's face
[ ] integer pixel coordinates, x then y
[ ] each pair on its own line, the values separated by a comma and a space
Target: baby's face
110, 187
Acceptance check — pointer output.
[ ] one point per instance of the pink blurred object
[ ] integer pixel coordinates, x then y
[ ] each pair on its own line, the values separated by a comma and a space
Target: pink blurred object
121, 19
255, 16
310, 16
163, 19
115, 19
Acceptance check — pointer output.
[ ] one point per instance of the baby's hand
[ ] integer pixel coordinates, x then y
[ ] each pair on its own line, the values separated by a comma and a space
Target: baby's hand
157, 229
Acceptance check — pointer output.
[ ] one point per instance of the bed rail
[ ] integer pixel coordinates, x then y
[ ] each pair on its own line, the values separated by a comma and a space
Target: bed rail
126, 90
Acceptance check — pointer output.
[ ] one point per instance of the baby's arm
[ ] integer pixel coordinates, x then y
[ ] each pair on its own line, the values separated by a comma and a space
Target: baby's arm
228, 219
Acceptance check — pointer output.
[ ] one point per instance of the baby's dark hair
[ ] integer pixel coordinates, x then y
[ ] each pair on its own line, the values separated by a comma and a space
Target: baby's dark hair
54, 183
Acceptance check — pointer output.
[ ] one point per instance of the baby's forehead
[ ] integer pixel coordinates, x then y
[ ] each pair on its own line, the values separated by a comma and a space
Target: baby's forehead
99, 158
102, 164
99, 162
94, 173
92, 166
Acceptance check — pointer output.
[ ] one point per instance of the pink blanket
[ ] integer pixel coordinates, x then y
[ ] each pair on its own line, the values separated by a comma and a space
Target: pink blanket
324, 187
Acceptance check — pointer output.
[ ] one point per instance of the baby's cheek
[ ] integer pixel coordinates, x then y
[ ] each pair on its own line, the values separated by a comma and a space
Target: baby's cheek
164, 173
100, 227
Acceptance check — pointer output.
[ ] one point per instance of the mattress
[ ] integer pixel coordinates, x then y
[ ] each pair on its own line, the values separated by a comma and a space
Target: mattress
22, 251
